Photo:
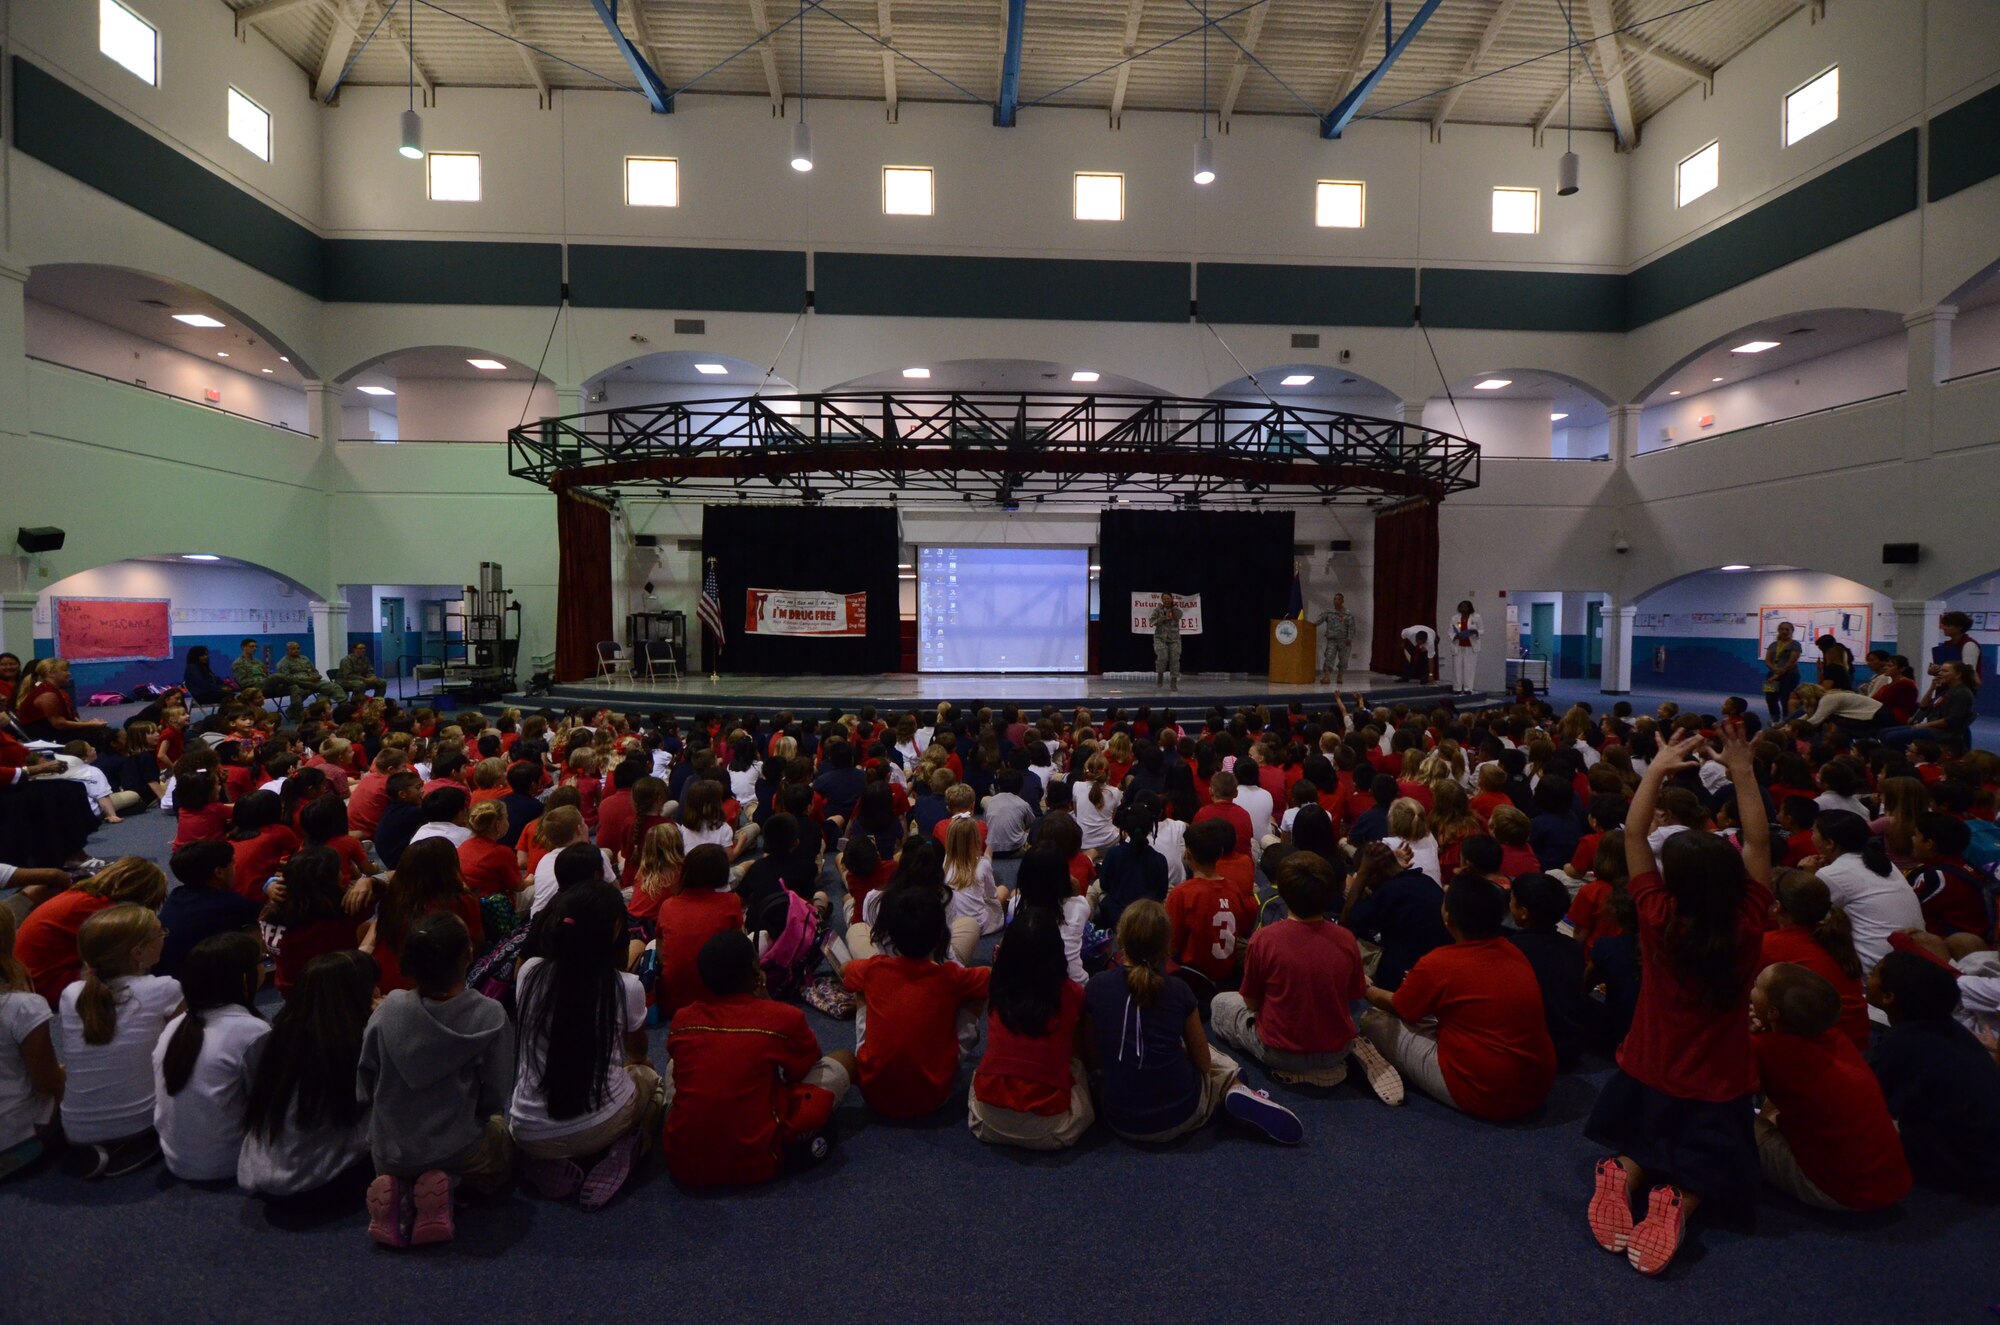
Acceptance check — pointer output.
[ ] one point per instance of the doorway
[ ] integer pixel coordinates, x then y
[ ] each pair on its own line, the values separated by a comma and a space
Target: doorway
393, 645
1542, 631
1593, 639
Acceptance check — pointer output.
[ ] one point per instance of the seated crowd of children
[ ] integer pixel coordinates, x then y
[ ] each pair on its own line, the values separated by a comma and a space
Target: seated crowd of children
1784, 941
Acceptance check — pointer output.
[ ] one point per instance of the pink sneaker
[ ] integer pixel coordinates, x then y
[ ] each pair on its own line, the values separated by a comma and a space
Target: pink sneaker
552, 1179
607, 1175
433, 1222
1610, 1209
1658, 1235
385, 1212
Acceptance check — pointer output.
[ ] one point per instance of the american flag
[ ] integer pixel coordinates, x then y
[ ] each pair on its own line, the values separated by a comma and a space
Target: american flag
709, 609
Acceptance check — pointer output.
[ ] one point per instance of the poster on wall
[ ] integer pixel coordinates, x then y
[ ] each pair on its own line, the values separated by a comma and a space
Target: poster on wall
1144, 603
1850, 623
805, 612
113, 629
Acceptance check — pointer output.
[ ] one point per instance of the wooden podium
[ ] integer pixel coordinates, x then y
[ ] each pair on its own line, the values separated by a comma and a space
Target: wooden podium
1293, 661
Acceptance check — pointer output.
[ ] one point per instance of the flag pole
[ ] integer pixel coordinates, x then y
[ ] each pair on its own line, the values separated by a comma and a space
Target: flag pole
715, 659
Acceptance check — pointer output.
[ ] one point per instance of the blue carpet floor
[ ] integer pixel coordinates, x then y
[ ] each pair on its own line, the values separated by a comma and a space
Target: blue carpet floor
1383, 1215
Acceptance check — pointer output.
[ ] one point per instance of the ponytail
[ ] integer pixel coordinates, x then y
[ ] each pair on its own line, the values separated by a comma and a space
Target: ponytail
1875, 855
96, 1008
1836, 935
1144, 935
107, 943
220, 971
1803, 899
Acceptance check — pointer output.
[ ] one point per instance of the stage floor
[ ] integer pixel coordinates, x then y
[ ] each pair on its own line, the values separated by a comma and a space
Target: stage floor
905, 691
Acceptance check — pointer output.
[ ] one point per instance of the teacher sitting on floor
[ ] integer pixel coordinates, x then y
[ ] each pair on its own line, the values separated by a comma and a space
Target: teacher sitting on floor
45, 709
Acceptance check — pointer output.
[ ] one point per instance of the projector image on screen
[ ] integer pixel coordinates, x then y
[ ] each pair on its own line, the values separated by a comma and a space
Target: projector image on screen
1003, 609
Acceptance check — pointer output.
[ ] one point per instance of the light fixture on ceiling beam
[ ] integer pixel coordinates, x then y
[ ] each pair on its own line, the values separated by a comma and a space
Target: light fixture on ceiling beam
802, 139
1204, 147
1571, 165
412, 123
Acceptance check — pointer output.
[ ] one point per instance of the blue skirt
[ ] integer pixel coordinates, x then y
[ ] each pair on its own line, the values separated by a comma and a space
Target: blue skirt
1705, 1148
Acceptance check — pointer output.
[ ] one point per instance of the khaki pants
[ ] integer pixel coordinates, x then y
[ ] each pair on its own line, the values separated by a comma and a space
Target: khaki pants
1035, 1131
1410, 1050
1781, 1169
1236, 1025
485, 1166
964, 939
827, 1073
641, 1113
1222, 1074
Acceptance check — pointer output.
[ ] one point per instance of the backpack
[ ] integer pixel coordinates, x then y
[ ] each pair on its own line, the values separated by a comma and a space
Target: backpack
1985, 849
794, 948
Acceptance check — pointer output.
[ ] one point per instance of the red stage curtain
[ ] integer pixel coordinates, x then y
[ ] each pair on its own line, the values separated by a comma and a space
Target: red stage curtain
583, 586
1406, 580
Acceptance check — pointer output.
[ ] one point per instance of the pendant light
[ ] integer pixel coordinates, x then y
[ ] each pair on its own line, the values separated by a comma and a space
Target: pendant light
413, 123
1571, 164
802, 139
1204, 150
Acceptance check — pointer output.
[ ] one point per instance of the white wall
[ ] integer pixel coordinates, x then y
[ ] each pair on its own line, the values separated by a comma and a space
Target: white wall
208, 599
1860, 372
430, 409
60, 336
1975, 341
1503, 428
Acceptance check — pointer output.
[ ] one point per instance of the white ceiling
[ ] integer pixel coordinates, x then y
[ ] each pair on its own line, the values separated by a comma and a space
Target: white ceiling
1800, 336
1001, 375
1316, 48
677, 368
145, 305
1564, 396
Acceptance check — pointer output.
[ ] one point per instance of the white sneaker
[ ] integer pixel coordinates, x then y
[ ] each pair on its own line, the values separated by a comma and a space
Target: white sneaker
1383, 1078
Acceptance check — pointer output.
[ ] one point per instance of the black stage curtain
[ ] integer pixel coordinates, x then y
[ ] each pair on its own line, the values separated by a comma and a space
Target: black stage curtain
583, 586
1239, 562
1406, 580
838, 549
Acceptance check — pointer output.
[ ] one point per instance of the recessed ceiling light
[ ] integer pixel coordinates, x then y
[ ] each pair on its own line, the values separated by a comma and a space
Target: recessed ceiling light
1297, 379
1557, 418
196, 319
711, 369
916, 372
487, 365
1493, 384
1755, 346
1673, 393
263, 370
199, 556
283, 359
222, 354
1736, 566
374, 391
1715, 379
1085, 376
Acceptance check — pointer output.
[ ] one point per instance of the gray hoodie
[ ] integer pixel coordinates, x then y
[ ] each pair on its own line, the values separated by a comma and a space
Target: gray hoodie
435, 1072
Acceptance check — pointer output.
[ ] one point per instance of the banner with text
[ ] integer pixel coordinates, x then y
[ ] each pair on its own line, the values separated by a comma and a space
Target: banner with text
1144, 603
113, 629
806, 612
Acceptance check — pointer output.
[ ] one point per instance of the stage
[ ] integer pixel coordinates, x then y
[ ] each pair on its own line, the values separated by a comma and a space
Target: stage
899, 692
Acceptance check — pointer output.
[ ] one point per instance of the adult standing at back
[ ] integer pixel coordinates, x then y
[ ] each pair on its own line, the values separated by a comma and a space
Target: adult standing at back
1959, 647
1466, 628
1336, 641
1781, 667
1166, 620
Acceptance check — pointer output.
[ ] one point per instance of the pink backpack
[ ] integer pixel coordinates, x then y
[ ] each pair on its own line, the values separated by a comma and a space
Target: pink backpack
794, 949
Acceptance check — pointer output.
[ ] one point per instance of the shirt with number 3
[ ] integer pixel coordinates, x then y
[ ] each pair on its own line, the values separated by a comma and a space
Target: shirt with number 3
1212, 920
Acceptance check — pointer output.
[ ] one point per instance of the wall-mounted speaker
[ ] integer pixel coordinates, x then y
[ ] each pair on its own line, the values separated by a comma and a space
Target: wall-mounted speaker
41, 538
1341, 545
1901, 554
645, 540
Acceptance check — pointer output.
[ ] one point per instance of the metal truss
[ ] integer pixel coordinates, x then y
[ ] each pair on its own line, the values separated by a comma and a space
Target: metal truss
994, 448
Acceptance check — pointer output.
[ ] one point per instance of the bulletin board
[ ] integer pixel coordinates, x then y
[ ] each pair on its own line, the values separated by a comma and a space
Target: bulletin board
113, 629
1849, 623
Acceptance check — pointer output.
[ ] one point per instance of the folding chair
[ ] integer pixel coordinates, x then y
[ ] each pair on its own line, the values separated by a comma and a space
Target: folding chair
612, 662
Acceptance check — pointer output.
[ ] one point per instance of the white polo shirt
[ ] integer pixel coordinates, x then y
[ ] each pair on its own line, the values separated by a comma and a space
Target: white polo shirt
201, 1128
108, 1095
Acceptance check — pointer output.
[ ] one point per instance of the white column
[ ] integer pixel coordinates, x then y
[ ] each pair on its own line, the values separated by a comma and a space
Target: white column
1917, 631
1411, 413
1624, 432
323, 411
1929, 341
17, 625
569, 400
1618, 632
329, 626
13, 348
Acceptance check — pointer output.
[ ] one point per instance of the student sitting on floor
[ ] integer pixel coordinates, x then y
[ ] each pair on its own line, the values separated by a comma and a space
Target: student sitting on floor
261, 840
1824, 1135
1941, 1084
204, 1058
1810, 931
909, 1058
1396, 907
1511, 829
749, 1088
1951, 892
426, 882
205, 904
437, 1068
1160, 1079
107, 1024
1043, 882
1489, 1054
701, 909
31, 1080
1031, 1089
304, 1125
1536, 903
1299, 979
585, 1087
1211, 916
402, 815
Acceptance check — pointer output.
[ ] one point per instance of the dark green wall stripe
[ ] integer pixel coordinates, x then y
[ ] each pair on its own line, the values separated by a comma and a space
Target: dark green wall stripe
1965, 145
1274, 293
1523, 300
442, 271
914, 285
738, 280
58, 125
1875, 187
